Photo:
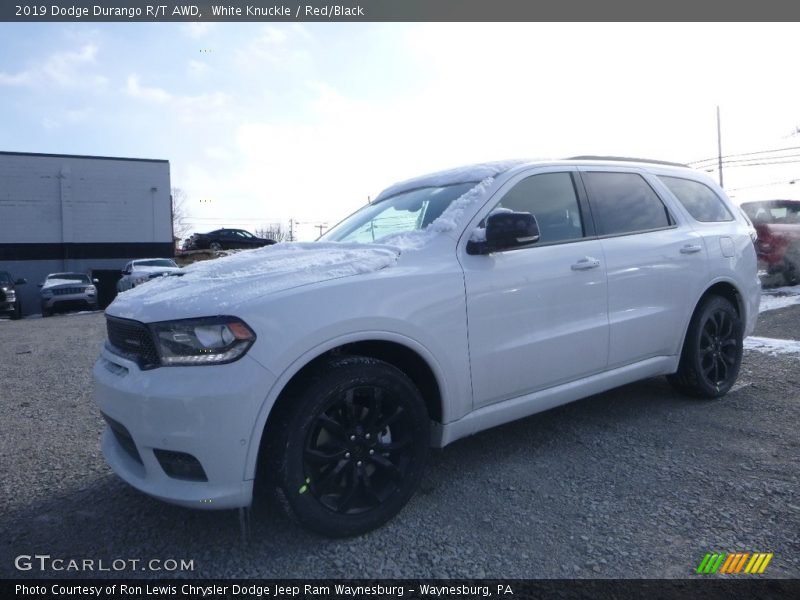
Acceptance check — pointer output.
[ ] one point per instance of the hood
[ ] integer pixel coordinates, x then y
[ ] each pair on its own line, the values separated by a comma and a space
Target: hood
216, 286
54, 283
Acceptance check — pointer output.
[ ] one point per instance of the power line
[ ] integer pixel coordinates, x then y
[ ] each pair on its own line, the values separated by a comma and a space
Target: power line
714, 159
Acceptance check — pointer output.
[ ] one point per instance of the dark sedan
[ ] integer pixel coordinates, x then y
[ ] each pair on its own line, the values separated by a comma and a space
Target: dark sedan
225, 239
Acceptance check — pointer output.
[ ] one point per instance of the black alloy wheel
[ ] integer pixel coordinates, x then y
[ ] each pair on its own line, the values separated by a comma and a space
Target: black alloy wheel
712, 350
353, 446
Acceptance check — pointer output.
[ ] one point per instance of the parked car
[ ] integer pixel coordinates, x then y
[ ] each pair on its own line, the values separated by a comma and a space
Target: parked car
10, 304
452, 303
141, 270
225, 239
777, 223
67, 291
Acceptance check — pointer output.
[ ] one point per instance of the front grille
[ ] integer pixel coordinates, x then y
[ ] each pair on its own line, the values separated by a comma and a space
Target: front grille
124, 438
132, 340
68, 290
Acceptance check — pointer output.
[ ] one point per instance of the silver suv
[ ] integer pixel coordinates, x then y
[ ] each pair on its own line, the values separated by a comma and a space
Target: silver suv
68, 291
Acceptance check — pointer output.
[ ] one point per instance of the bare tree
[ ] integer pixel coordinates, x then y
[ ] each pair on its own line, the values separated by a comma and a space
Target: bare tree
180, 213
273, 231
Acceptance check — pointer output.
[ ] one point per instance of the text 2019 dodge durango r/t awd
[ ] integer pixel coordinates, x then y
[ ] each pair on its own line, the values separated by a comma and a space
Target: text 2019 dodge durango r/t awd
452, 303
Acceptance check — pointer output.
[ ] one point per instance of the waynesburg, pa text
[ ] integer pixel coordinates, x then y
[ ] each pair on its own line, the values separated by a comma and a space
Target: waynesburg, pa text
274, 590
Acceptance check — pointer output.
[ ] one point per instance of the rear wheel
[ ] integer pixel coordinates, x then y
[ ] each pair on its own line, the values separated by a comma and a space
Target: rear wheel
352, 447
791, 268
712, 351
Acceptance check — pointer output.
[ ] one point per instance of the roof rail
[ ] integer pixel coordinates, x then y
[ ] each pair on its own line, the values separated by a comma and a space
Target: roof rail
628, 159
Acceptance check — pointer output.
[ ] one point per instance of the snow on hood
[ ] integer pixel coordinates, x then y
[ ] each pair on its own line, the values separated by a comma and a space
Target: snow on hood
151, 269
51, 283
214, 286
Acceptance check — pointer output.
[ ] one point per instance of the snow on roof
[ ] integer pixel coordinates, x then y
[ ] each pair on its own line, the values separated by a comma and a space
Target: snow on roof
476, 173
246, 275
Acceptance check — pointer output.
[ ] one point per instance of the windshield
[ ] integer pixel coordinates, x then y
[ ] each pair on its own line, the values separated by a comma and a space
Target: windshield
413, 210
69, 277
159, 262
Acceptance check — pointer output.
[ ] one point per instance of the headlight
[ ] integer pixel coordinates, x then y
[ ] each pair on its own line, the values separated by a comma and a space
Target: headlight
214, 340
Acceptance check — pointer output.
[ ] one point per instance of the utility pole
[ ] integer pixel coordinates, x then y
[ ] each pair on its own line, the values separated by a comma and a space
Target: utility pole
719, 147
291, 230
321, 226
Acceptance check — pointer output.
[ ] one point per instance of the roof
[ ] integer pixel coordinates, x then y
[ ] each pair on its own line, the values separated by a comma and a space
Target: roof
480, 171
154, 160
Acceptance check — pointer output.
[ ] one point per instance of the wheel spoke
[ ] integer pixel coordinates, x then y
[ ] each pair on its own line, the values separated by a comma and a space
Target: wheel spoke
332, 426
387, 465
390, 419
320, 457
722, 367
331, 476
346, 500
374, 408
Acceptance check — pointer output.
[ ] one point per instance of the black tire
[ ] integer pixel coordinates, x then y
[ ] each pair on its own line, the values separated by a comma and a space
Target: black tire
352, 446
791, 266
712, 350
17, 313
46, 313
215, 246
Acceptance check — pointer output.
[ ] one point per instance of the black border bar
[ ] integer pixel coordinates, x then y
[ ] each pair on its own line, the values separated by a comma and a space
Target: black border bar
397, 10
710, 588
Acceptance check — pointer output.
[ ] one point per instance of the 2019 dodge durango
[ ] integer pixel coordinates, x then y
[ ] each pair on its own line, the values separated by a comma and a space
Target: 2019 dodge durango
452, 303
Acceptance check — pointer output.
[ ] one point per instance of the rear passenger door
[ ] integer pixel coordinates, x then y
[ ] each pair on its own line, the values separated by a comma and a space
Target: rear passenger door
537, 316
655, 262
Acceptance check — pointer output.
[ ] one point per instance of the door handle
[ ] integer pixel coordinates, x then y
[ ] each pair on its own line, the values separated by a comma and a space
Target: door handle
585, 264
691, 249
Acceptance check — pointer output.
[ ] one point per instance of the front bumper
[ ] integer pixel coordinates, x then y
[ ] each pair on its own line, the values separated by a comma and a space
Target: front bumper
69, 301
206, 412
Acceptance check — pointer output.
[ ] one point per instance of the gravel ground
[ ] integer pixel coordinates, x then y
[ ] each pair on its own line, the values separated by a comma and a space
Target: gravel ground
637, 482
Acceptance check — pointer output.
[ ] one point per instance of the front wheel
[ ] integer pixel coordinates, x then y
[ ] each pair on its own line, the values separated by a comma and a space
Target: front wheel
352, 447
712, 351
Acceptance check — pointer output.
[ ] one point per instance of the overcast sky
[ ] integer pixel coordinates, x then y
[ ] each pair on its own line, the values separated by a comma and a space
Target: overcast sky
266, 122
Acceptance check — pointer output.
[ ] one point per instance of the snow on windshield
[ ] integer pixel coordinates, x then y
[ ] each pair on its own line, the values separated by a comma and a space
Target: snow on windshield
246, 275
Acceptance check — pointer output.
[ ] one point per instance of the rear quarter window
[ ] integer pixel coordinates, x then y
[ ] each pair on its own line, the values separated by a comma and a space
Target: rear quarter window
698, 199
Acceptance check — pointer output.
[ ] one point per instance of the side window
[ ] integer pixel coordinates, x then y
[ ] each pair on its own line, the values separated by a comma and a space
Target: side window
697, 198
625, 203
551, 198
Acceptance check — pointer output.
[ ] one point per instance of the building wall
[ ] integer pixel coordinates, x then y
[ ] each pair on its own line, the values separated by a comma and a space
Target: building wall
73, 213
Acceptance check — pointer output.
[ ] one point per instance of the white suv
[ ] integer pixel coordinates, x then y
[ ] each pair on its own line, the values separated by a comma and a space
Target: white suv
452, 303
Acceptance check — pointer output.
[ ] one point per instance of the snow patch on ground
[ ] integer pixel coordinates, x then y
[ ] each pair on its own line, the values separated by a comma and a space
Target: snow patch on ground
772, 346
250, 274
780, 297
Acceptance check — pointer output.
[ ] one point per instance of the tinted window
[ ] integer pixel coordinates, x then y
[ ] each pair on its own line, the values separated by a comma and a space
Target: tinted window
699, 199
551, 198
625, 203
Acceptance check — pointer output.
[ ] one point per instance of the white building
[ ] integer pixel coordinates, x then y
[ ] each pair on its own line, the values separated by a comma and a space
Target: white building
80, 213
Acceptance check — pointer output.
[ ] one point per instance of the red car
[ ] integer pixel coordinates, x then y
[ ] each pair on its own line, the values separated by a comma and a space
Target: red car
777, 223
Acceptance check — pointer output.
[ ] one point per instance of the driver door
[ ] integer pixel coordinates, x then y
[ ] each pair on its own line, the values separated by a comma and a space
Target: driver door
538, 316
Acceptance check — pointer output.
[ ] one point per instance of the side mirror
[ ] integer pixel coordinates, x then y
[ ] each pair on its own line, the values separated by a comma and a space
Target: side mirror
506, 231
20, 281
